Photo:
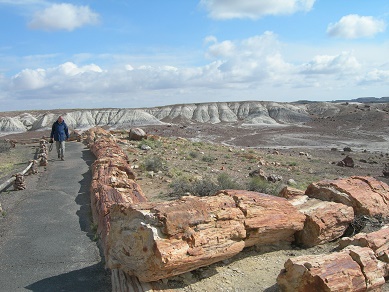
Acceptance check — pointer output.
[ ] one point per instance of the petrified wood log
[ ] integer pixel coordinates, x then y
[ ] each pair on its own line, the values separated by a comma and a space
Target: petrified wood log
366, 195
268, 219
112, 180
325, 221
378, 241
93, 134
355, 269
155, 241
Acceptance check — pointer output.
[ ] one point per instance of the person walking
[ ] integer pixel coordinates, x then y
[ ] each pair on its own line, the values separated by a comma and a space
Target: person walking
60, 133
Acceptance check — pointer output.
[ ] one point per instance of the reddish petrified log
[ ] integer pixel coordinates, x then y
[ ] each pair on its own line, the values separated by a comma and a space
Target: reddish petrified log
93, 134
354, 269
378, 241
268, 219
325, 221
155, 241
112, 180
366, 195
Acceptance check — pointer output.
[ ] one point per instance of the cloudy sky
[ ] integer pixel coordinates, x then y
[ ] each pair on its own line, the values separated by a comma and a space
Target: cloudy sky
144, 53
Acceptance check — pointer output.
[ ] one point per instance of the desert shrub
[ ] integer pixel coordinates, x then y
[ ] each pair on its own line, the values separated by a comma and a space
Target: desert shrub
153, 163
5, 146
193, 154
197, 144
180, 186
257, 184
208, 159
227, 182
204, 187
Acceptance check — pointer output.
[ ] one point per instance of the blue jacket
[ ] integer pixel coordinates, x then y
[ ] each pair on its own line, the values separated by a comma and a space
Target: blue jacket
59, 131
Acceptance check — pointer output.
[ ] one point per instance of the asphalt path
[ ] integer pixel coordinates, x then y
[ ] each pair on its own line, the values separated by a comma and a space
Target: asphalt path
46, 242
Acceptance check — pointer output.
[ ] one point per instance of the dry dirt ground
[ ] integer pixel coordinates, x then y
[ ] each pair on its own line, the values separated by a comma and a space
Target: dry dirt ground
186, 153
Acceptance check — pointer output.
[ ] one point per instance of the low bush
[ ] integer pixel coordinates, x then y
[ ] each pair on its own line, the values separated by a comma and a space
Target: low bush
208, 159
227, 182
153, 163
5, 146
257, 184
203, 187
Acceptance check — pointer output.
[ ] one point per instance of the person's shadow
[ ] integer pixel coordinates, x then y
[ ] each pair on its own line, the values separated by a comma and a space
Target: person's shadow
92, 278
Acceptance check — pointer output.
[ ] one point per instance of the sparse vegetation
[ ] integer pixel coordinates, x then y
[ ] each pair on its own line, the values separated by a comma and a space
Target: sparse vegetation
5, 146
151, 142
203, 187
208, 158
184, 167
153, 163
260, 185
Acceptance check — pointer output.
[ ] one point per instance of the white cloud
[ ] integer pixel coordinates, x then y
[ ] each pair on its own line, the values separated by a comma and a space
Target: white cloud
375, 76
354, 26
29, 79
324, 64
252, 68
254, 9
63, 16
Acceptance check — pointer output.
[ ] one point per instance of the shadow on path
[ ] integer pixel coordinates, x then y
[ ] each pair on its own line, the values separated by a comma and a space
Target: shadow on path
86, 279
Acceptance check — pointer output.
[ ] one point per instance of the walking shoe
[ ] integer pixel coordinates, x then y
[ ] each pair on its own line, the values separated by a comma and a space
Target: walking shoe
59, 156
62, 158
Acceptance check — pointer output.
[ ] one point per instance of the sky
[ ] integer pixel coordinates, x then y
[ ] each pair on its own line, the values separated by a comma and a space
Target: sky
147, 53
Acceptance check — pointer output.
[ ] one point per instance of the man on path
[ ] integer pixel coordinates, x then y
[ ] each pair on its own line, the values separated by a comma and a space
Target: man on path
60, 133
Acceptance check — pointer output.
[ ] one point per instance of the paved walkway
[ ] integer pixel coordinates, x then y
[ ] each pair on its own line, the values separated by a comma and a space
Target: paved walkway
46, 243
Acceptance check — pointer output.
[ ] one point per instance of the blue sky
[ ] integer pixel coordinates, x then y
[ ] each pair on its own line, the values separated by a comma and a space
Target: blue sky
124, 53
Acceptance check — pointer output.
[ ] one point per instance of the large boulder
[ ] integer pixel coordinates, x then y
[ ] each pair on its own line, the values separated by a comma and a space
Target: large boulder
137, 134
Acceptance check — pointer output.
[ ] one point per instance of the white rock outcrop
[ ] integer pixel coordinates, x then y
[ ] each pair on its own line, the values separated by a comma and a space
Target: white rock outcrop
248, 112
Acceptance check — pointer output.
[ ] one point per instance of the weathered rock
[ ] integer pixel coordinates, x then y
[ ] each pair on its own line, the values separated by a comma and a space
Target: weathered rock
137, 134
351, 270
325, 221
366, 195
75, 136
258, 173
291, 182
290, 193
378, 241
346, 162
19, 183
170, 238
274, 178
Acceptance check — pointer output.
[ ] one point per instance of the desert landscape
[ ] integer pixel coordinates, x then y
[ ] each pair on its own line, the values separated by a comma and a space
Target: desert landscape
225, 145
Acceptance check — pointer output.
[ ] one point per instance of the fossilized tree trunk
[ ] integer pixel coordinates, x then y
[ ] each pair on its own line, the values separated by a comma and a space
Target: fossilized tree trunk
156, 241
366, 195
